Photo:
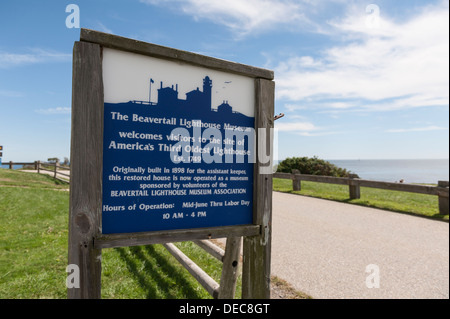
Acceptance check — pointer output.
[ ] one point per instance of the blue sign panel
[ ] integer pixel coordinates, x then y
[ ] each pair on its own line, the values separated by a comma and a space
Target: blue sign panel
176, 161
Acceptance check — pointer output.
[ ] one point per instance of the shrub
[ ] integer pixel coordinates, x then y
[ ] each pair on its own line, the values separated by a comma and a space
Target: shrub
312, 166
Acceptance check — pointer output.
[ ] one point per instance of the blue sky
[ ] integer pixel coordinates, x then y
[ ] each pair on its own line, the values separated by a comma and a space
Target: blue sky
355, 79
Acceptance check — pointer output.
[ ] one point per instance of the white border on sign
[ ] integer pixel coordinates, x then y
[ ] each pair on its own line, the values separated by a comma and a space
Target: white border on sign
126, 77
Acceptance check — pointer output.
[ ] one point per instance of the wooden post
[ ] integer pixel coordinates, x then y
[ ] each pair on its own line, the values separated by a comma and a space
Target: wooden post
353, 187
296, 181
56, 165
38, 166
230, 268
86, 169
10, 165
257, 249
443, 197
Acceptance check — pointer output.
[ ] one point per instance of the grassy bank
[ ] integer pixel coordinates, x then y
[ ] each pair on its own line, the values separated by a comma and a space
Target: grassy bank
33, 251
403, 202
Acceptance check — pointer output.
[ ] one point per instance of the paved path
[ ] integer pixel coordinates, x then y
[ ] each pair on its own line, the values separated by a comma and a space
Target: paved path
60, 176
323, 248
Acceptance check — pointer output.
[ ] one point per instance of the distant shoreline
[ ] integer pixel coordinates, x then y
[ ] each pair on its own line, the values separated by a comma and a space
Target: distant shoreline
409, 170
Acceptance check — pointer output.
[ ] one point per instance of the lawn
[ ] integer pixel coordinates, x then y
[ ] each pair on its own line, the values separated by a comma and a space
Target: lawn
33, 250
402, 202
26, 179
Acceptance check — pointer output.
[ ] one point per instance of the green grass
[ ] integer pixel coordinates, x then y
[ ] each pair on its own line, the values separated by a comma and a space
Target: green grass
26, 179
33, 242
33, 250
151, 272
403, 202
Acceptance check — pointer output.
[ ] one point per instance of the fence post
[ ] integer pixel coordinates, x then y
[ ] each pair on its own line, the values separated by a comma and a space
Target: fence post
10, 165
56, 164
230, 268
296, 181
443, 197
353, 187
257, 249
38, 166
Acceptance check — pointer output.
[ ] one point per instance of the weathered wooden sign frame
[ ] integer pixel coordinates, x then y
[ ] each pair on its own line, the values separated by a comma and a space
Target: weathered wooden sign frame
86, 240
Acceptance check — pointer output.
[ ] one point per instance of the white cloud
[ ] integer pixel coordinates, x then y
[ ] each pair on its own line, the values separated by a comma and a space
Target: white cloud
36, 55
295, 126
242, 17
302, 127
417, 129
398, 65
56, 110
104, 28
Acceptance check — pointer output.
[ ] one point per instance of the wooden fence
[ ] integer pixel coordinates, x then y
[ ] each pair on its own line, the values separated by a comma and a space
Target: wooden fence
53, 167
11, 164
354, 185
230, 260
44, 166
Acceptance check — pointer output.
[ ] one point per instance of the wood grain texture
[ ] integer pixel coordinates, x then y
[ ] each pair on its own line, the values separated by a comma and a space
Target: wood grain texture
296, 182
257, 249
120, 43
230, 268
212, 249
86, 168
172, 236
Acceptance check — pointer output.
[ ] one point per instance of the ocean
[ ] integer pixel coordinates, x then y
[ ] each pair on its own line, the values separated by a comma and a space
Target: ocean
411, 171
5, 165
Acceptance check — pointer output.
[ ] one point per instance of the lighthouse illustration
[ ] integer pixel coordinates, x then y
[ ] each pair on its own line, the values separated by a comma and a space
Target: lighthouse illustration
197, 101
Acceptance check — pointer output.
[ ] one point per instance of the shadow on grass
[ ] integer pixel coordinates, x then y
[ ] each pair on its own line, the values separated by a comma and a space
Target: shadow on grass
56, 181
436, 216
156, 274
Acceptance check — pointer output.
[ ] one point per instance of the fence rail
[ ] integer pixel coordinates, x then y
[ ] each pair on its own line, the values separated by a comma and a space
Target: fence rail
11, 164
354, 184
44, 166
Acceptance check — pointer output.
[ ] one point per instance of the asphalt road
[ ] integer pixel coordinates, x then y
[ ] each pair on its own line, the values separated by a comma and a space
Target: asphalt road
337, 250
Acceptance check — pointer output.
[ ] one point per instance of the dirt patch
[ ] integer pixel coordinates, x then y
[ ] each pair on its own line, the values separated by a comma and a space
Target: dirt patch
281, 289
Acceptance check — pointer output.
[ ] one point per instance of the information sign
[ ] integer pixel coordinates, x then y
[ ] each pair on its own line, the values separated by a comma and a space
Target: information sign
168, 146
177, 145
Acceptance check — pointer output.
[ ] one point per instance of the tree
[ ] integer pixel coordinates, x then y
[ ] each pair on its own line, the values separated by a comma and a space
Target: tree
53, 160
312, 166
